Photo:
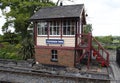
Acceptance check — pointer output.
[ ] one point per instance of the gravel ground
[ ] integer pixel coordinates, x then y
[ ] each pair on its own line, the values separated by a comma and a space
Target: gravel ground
18, 78
38, 79
112, 56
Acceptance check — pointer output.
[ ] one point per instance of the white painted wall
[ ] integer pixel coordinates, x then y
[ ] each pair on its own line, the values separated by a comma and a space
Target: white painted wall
68, 41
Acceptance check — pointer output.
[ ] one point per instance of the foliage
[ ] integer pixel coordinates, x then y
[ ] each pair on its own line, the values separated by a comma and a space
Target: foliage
23, 50
87, 28
10, 37
27, 49
19, 42
9, 51
109, 41
110, 47
105, 39
20, 12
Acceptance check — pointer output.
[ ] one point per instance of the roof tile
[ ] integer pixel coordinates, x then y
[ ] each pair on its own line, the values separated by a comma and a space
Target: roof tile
58, 12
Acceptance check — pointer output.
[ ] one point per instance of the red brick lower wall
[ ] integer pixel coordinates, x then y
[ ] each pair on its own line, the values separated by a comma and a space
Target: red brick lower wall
65, 57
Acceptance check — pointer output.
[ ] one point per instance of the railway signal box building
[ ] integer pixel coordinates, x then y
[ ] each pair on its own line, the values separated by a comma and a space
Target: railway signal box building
57, 35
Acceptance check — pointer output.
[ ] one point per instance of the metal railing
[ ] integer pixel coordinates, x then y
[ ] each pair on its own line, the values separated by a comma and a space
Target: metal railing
84, 40
88, 43
100, 49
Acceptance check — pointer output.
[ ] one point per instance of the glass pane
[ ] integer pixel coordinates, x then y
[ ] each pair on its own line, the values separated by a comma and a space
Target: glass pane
68, 30
57, 30
50, 30
52, 56
72, 31
55, 51
42, 28
39, 29
57, 23
51, 23
54, 28
56, 57
64, 30
68, 27
64, 23
68, 22
52, 51
46, 30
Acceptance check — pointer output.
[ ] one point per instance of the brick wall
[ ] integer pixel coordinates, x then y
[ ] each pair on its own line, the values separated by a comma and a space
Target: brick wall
65, 57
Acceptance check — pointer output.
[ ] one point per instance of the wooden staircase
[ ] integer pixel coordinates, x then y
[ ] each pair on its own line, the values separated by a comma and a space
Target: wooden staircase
90, 47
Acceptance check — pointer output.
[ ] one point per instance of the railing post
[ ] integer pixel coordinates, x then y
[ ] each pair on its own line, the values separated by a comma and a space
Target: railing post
108, 58
89, 36
76, 40
103, 50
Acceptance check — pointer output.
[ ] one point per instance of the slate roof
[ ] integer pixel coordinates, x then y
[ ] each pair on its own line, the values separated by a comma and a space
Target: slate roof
58, 12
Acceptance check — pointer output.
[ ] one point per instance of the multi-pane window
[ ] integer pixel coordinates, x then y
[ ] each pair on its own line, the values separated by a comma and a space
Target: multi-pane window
42, 28
68, 27
54, 28
54, 55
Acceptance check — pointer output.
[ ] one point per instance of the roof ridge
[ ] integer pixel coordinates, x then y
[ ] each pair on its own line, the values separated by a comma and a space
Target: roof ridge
62, 6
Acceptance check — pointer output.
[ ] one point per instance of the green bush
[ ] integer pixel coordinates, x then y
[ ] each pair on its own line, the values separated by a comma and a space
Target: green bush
110, 47
9, 51
27, 49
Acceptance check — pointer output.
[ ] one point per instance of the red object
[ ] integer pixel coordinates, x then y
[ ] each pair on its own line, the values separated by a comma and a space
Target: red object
94, 53
98, 58
103, 64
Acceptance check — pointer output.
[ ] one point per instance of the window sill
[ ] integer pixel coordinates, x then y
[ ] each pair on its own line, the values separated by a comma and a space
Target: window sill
54, 60
54, 35
41, 35
68, 35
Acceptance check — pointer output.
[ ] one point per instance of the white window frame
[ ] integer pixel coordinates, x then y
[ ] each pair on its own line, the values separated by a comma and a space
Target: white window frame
54, 55
69, 24
54, 28
42, 25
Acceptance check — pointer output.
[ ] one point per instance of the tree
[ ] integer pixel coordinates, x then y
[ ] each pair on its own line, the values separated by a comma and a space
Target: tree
60, 1
18, 18
105, 39
87, 28
20, 12
10, 37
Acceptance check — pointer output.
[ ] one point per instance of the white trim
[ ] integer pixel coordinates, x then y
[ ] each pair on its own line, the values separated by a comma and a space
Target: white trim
42, 35
68, 35
54, 35
83, 9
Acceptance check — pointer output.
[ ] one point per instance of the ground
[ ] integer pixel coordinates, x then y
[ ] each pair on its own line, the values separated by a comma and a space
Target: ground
9, 70
114, 66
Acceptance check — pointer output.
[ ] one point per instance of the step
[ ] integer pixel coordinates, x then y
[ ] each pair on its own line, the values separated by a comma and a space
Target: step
101, 61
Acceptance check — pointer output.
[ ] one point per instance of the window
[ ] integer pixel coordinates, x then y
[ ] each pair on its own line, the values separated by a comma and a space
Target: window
54, 55
54, 28
68, 27
42, 28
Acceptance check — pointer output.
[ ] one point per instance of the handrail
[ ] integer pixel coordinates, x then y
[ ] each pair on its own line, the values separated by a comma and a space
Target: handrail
102, 48
84, 39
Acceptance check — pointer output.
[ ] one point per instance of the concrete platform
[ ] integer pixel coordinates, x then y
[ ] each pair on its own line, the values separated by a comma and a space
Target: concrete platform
114, 67
116, 72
